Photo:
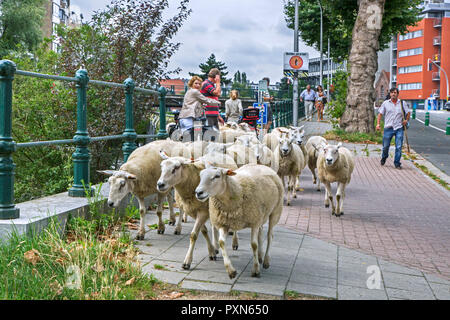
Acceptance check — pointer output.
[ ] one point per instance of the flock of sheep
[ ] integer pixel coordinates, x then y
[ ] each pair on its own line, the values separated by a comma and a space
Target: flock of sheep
237, 182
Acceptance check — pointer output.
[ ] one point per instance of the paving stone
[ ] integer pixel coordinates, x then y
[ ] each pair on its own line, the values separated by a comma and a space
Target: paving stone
357, 293
165, 276
312, 243
395, 268
166, 266
312, 289
316, 267
409, 295
358, 259
436, 279
206, 286
327, 255
405, 282
256, 285
220, 276
441, 291
305, 278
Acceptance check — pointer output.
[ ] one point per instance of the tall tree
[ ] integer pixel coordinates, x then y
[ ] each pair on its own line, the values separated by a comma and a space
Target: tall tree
244, 78
237, 77
20, 24
357, 30
210, 63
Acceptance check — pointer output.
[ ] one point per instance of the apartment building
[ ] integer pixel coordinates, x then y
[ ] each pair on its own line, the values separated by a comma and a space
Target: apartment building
58, 12
410, 54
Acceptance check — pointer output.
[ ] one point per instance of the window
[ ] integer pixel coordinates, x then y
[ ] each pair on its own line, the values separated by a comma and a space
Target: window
411, 35
55, 10
410, 86
410, 52
410, 69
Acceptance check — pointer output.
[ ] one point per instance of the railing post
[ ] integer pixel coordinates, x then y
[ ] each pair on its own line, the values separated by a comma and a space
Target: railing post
81, 157
162, 133
7, 145
129, 134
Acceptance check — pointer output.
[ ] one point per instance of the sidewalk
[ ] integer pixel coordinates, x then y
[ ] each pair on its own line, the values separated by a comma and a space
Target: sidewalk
395, 220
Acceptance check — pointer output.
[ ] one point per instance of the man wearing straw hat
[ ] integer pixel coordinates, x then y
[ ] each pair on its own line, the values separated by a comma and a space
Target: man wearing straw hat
396, 116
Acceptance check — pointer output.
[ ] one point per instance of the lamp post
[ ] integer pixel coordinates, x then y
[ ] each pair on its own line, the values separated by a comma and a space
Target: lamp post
295, 78
321, 36
441, 69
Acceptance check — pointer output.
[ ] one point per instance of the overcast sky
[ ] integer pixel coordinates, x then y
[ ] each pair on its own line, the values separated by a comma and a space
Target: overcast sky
247, 35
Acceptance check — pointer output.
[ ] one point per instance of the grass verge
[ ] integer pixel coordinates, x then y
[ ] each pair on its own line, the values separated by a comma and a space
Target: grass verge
432, 176
355, 137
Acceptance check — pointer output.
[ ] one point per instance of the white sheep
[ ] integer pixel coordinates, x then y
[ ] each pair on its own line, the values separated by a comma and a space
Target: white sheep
241, 154
184, 175
298, 135
245, 198
264, 156
313, 146
335, 164
139, 175
289, 158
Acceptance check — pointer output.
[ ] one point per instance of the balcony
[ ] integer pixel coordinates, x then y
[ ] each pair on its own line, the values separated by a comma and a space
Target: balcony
394, 46
394, 78
436, 76
436, 58
435, 92
394, 62
437, 23
437, 41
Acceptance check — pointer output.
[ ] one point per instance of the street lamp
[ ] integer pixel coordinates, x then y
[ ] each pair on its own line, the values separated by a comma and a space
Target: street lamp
295, 78
321, 33
441, 69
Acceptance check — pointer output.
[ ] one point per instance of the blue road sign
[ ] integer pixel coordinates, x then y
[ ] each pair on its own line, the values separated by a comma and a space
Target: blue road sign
262, 112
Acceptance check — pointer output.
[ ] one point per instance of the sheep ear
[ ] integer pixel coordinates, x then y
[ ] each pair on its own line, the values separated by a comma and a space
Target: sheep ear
130, 176
230, 173
339, 145
163, 155
107, 172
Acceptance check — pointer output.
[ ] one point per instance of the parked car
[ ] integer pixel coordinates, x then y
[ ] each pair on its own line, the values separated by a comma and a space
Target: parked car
447, 106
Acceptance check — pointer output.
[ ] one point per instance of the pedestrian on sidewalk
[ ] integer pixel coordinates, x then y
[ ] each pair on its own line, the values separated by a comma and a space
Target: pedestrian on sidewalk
320, 103
233, 107
267, 99
394, 111
211, 89
193, 106
310, 98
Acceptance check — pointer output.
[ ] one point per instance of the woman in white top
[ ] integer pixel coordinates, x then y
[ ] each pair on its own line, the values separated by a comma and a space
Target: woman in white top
233, 107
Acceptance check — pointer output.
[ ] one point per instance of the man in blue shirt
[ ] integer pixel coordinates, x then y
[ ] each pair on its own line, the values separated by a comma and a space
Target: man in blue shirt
310, 98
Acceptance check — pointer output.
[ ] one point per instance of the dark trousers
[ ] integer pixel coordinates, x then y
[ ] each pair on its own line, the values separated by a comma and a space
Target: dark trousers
213, 121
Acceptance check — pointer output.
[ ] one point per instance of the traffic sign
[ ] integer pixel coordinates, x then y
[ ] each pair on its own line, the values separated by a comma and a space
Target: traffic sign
262, 85
296, 61
262, 112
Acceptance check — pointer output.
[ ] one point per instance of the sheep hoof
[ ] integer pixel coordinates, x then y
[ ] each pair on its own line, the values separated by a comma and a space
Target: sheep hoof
177, 232
171, 223
213, 258
256, 274
232, 274
266, 265
230, 233
160, 231
140, 237
327, 206
295, 196
318, 189
235, 247
216, 251
184, 220
186, 266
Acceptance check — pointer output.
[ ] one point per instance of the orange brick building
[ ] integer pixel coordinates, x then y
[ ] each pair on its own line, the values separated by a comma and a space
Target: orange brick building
429, 39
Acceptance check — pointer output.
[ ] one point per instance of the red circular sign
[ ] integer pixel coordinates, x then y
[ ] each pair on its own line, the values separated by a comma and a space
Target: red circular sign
296, 62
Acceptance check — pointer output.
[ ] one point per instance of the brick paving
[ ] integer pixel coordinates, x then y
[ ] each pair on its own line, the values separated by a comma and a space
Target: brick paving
400, 215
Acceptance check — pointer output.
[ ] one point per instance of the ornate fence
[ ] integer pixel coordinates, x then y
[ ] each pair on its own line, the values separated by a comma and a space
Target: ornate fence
81, 156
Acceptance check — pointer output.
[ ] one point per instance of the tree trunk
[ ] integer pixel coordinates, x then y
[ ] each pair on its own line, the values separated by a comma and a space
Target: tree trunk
363, 64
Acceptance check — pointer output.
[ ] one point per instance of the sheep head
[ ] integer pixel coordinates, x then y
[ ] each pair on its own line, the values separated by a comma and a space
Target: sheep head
285, 146
331, 153
171, 172
119, 185
212, 182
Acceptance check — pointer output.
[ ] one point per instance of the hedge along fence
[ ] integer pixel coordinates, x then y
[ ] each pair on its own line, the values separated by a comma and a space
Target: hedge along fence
81, 156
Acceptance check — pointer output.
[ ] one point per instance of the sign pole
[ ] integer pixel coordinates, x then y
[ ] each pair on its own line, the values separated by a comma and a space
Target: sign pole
295, 93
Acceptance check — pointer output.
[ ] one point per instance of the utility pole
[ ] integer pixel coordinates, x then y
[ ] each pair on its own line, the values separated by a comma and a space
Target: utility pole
321, 36
329, 71
295, 93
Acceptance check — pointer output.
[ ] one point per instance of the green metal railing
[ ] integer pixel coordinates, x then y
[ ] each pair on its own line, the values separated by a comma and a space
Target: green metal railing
283, 113
81, 156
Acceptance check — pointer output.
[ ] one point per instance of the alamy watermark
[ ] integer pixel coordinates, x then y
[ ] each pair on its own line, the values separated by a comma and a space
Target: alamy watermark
374, 280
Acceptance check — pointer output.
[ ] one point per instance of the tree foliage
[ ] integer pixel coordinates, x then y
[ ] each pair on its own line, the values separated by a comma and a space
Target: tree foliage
339, 17
20, 24
210, 63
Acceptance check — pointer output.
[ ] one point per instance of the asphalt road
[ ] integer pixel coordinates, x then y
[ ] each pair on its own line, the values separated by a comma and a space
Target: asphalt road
431, 142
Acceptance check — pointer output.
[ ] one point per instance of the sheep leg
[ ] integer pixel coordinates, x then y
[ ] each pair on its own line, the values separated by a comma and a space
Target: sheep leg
180, 218
254, 242
215, 238
170, 200
185, 216
161, 226
211, 249
235, 243
340, 198
294, 189
226, 260
260, 244
199, 222
142, 212
330, 198
273, 220
318, 184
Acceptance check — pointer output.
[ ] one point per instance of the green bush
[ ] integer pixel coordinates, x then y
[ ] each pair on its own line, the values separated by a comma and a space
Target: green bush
338, 103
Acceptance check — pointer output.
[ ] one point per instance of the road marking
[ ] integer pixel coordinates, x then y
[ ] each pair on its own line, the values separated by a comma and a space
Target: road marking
431, 126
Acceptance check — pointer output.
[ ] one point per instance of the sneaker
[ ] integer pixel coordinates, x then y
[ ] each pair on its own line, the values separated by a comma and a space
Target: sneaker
398, 166
383, 161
